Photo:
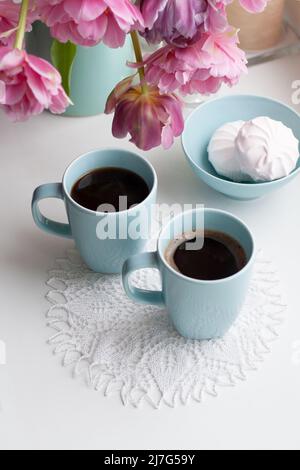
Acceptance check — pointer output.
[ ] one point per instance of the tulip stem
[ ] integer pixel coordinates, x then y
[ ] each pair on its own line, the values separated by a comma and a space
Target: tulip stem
139, 59
22, 25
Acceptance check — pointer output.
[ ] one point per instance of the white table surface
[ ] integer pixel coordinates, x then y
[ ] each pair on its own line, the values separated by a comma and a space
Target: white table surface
42, 406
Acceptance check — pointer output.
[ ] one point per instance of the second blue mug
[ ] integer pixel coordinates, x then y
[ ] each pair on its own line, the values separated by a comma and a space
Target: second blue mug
198, 309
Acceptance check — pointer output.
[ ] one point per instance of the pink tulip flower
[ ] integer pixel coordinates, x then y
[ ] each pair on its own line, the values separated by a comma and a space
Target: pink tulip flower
28, 85
199, 68
149, 117
88, 22
9, 18
179, 22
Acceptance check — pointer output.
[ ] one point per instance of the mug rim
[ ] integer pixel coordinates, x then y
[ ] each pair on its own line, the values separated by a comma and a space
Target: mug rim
109, 149
203, 281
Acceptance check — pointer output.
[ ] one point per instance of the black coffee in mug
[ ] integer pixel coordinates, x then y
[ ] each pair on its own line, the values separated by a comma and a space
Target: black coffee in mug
102, 189
208, 256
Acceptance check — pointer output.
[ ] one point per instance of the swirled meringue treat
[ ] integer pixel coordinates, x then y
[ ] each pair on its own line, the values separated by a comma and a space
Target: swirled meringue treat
259, 150
267, 149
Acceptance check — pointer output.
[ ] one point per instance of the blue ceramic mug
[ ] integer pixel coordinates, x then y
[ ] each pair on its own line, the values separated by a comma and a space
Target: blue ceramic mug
198, 309
107, 251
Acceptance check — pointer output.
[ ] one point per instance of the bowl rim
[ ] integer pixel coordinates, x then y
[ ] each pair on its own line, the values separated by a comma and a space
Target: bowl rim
220, 178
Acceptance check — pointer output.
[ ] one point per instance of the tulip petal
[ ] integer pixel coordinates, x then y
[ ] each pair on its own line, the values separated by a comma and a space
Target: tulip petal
2, 92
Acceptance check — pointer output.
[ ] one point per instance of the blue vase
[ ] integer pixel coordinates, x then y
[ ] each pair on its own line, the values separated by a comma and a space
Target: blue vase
96, 70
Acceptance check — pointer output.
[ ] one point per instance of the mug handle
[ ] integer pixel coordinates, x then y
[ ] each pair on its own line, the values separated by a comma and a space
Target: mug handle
144, 260
47, 191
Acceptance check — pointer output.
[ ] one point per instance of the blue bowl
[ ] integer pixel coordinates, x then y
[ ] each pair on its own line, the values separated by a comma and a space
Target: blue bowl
208, 117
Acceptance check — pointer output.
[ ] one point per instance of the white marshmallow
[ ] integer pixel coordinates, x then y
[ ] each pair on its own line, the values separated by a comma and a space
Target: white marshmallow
258, 150
267, 149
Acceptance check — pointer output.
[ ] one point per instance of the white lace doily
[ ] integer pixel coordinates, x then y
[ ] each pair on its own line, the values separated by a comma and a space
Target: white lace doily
131, 349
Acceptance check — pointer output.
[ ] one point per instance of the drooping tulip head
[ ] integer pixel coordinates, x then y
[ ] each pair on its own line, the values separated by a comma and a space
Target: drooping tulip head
149, 117
28, 85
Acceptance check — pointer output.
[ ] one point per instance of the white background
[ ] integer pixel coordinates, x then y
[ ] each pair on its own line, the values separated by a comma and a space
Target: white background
42, 406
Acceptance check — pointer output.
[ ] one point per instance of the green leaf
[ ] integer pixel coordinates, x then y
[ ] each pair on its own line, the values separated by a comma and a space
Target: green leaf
63, 56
